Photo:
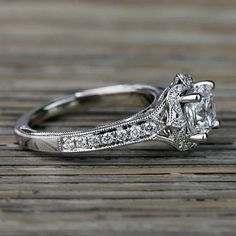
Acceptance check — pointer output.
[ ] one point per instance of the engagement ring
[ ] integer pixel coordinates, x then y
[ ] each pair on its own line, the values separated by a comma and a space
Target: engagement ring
182, 115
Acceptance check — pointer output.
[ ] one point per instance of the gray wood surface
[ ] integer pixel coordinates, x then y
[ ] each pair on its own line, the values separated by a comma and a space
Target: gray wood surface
51, 48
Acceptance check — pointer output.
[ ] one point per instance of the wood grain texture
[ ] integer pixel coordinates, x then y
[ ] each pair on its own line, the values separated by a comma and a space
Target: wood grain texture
51, 48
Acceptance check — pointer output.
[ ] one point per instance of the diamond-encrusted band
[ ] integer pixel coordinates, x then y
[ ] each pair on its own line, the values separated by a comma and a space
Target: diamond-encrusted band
119, 135
121, 132
181, 115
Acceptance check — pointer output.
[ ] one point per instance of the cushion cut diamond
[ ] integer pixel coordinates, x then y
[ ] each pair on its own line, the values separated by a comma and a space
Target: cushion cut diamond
201, 115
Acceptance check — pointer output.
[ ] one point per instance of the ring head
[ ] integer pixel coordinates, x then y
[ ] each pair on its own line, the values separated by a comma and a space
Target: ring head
190, 105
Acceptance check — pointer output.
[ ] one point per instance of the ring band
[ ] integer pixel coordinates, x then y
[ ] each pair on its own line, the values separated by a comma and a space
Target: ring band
181, 115
81, 141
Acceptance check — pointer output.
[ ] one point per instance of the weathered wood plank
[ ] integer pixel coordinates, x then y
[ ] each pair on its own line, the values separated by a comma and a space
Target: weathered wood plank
48, 49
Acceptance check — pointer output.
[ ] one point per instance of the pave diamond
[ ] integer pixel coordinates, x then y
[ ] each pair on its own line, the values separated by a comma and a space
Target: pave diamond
93, 141
107, 138
150, 128
201, 115
121, 135
69, 143
81, 142
135, 132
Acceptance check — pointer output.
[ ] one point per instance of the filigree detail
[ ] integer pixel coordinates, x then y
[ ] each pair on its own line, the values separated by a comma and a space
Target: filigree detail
170, 111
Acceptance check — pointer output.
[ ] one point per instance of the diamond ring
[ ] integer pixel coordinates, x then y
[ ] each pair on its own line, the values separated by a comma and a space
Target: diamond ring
181, 115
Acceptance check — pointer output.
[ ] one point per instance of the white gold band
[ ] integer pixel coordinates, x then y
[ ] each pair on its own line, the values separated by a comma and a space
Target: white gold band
101, 137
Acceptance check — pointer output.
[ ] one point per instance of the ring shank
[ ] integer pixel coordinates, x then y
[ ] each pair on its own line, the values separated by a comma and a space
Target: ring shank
129, 95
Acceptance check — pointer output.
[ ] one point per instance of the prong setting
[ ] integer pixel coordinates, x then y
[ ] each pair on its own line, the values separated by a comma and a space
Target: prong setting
191, 113
199, 138
209, 83
216, 124
191, 98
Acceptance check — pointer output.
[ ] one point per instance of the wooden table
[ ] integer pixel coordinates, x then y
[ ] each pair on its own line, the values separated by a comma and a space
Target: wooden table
51, 48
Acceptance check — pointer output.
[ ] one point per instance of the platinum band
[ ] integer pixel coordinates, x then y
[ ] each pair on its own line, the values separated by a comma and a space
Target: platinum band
101, 137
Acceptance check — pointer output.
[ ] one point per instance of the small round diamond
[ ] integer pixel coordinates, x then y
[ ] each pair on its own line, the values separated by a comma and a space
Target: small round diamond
121, 135
107, 138
94, 141
69, 143
135, 132
81, 142
150, 128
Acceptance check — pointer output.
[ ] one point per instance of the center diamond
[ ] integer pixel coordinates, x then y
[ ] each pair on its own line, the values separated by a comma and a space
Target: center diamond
201, 115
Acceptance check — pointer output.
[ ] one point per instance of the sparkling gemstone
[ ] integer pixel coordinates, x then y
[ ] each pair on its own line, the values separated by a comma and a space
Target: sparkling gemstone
135, 132
94, 141
81, 141
121, 135
201, 115
69, 143
150, 128
107, 138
